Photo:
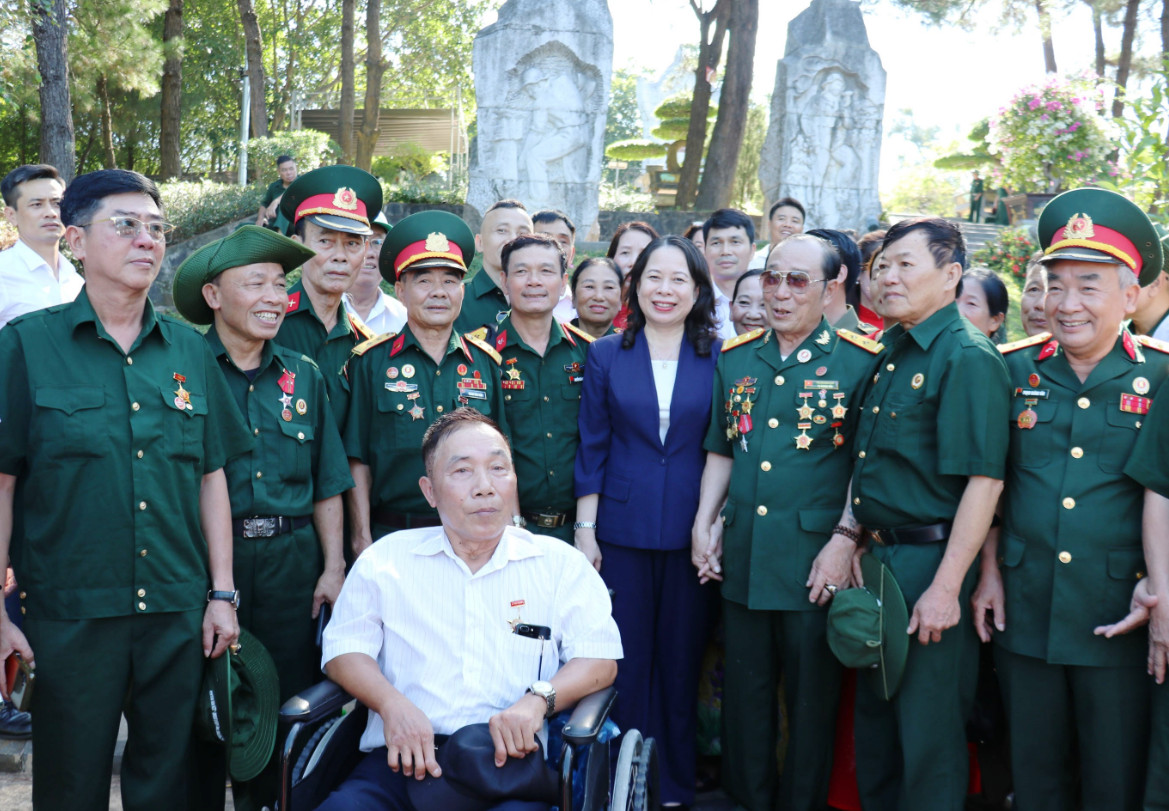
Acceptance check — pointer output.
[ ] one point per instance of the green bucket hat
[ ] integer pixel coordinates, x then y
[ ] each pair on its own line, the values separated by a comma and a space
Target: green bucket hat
1097, 225
238, 706
246, 246
427, 239
866, 627
340, 198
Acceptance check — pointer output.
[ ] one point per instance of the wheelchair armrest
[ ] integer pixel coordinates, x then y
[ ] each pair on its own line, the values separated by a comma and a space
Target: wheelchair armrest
313, 703
588, 716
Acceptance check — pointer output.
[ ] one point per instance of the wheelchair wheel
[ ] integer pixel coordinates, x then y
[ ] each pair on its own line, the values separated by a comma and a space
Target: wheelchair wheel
635, 779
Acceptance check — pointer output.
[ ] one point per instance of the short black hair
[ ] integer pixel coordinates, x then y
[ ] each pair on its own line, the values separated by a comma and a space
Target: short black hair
944, 238
588, 263
998, 301
748, 275
10, 185
84, 195
728, 218
692, 229
527, 241
449, 423
283, 159
635, 225
551, 215
509, 203
850, 257
869, 245
789, 202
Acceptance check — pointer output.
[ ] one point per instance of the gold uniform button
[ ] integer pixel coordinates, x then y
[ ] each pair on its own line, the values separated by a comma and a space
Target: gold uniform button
141, 606
549, 435
773, 423
141, 592
438, 372
876, 409
439, 409
135, 406
23, 610
779, 380
508, 397
251, 388
142, 554
765, 466
140, 454
255, 432
400, 406
860, 455
1069, 503
890, 367
142, 505
1083, 402
1065, 557
1077, 453
259, 475
24, 595
129, 361
545, 397
856, 501
761, 510
300, 434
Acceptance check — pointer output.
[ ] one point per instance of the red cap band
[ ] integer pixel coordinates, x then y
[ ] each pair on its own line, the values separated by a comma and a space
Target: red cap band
425, 249
1098, 238
342, 203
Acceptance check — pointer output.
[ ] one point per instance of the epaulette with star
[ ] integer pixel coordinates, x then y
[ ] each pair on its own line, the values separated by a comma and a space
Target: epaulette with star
745, 338
863, 341
360, 328
577, 331
490, 350
1023, 343
370, 343
478, 334
1153, 343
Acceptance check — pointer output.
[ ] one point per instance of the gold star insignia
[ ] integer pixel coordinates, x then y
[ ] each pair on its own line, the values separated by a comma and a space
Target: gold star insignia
416, 412
838, 412
806, 411
513, 373
747, 404
803, 442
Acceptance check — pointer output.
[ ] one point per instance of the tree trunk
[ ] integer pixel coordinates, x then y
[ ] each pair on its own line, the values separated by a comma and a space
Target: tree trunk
109, 159
1045, 32
725, 142
255, 50
375, 67
1124, 63
50, 32
171, 104
348, 86
1165, 29
1098, 31
709, 53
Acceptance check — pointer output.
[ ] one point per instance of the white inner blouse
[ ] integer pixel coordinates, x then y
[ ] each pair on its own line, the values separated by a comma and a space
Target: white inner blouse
665, 371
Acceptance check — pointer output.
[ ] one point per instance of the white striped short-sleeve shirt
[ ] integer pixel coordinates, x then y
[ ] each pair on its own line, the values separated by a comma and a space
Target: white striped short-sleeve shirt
442, 635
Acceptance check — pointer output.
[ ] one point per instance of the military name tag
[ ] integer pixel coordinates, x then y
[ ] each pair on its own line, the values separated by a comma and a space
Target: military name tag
1135, 404
822, 385
474, 394
1039, 394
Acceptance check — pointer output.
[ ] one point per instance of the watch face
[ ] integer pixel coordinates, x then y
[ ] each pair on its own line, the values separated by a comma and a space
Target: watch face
543, 688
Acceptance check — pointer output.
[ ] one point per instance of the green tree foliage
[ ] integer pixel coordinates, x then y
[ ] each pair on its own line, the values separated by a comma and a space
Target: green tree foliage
623, 120
747, 192
309, 148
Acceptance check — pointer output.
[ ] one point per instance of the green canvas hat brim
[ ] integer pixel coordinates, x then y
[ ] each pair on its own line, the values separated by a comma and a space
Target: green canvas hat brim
327, 180
418, 228
886, 679
213, 710
1110, 210
244, 246
255, 707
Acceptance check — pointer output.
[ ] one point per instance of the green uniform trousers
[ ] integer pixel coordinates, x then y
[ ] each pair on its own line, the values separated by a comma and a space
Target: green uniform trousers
911, 751
89, 672
1157, 787
276, 578
1103, 711
762, 646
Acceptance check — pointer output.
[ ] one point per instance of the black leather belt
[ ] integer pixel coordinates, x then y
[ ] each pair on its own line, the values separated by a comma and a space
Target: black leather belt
398, 520
548, 520
930, 533
267, 526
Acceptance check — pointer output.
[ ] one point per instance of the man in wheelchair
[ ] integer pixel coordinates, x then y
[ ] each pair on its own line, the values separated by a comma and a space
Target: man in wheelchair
444, 627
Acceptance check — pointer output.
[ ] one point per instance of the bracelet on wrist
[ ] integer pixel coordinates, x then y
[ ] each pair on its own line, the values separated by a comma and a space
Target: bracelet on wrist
851, 533
584, 525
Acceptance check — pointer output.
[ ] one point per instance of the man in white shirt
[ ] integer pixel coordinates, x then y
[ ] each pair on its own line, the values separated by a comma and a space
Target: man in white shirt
379, 311
730, 244
33, 274
786, 217
557, 225
423, 632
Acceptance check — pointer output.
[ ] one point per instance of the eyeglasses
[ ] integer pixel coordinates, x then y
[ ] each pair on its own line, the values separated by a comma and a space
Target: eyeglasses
376, 241
131, 227
797, 280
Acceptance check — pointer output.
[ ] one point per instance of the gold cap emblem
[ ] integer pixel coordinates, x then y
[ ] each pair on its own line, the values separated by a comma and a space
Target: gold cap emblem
1080, 227
437, 243
345, 198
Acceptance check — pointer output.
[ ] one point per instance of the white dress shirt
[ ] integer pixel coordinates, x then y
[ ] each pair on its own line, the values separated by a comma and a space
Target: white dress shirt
722, 315
442, 635
759, 260
388, 314
27, 283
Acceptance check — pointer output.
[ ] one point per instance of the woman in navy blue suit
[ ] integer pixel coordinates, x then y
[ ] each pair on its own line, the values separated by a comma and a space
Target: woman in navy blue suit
645, 408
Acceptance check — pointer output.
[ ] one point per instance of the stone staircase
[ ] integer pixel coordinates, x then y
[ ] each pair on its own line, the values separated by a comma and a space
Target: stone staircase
978, 234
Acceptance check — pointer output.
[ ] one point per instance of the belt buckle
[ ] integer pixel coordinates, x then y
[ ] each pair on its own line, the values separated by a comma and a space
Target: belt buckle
545, 521
878, 538
260, 527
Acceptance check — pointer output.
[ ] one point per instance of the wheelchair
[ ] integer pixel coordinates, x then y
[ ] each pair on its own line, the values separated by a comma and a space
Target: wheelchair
319, 747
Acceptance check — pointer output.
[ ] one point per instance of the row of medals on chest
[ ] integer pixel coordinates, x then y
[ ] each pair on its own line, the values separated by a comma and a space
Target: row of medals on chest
814, 399
469, 387
1032, 394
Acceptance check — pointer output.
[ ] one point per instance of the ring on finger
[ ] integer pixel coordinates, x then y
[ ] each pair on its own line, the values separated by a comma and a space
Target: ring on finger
831, 589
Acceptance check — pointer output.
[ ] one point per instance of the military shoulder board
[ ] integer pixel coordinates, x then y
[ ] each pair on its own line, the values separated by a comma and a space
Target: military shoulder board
1023, 343
1153, 343
370, 343
577, 331
483, 346
863, 341
745, 338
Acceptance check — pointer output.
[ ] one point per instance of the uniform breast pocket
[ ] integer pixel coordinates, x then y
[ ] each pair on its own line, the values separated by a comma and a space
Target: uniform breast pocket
69, 421
1117, 441
570, 392
905, 426
192, 419
1032, 447
399, 422
296, 460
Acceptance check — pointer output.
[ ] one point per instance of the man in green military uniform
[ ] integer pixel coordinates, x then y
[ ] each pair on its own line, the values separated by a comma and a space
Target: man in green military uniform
543, 365
779, 452
484, 302
286, 494
931, 447
976, 188
126, 591
1070, 545
401, 383
269, 213
329, 211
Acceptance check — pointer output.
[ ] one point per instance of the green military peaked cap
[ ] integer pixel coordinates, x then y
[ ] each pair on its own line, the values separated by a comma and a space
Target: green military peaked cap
1097, 225
238, 706
867, 627
428, 239
246, 246
341, 198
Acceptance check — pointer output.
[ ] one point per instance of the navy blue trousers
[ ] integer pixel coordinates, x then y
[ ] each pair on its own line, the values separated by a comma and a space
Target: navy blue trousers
665, 618
371, 786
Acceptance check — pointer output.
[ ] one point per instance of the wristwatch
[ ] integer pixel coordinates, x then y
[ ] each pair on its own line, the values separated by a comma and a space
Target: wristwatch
546, 691
227, 596
585, 525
